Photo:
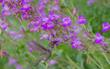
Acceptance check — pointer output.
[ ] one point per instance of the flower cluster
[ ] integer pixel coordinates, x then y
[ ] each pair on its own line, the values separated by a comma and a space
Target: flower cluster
53, 26
13, 61
46, 18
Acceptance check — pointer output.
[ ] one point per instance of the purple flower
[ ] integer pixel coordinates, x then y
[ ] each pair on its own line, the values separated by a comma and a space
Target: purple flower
77, 29
1, 1
4, 26
18, 66
26, 7
41, 8
90, 2
66, 37
14, 9
81, 20
31, 46
34, 26
56, 2
27, 1
57, 41
25, 16
99, 39
48, 25
12, 61
25, 11
44, 36
66, 21
44, 1
77, 44
55, 8
45, 19
5, 10
15, 35
3, 53
52, 62
105, 27
53, 16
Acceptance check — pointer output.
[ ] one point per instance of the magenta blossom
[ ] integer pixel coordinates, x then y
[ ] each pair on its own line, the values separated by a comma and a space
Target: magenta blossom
48, 25
77, 44
6, 10
34, 26
26, 7
27, 1
99, 39
81, 20
3, 26
53, 16
66, 21
1, 1
105, 27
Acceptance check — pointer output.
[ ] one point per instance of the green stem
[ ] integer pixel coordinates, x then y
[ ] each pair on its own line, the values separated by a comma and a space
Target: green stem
106, 58
97, 62
72, 62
